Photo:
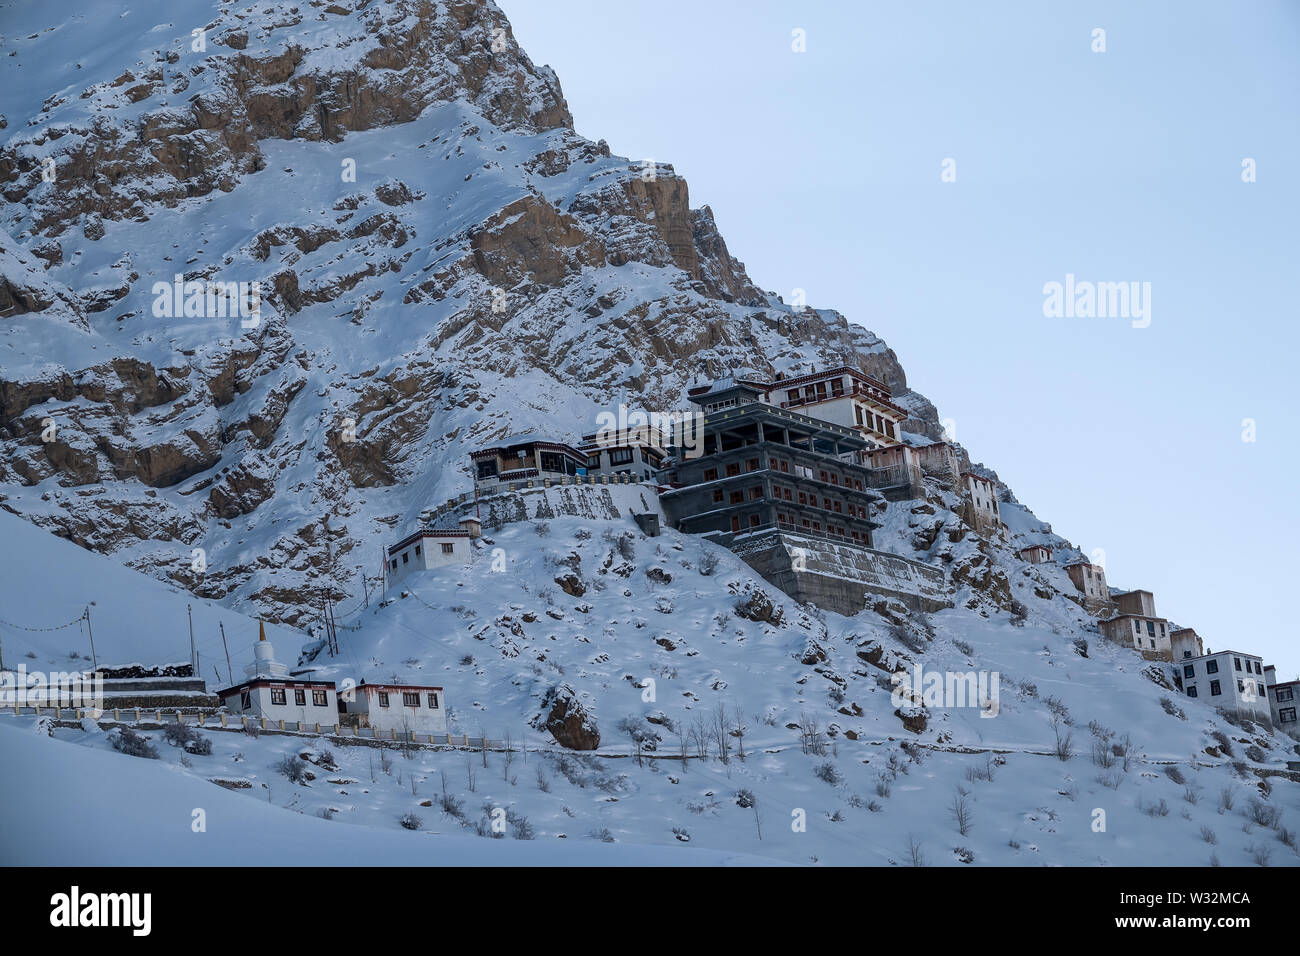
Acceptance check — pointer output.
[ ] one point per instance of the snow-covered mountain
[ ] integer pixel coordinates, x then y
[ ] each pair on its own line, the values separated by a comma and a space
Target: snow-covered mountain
446, 262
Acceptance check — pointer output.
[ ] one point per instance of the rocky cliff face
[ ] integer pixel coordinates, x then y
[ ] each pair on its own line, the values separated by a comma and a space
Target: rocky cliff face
441, 261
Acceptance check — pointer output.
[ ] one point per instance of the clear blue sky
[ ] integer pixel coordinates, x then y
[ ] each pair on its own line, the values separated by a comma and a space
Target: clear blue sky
823, 170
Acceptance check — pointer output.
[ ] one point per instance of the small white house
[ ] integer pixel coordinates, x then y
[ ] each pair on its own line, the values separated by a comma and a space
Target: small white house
1035, 554
1228, 679
271, 693
404, 708
427, 548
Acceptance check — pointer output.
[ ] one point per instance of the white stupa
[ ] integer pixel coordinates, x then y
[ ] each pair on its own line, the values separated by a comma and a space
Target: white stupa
264, 662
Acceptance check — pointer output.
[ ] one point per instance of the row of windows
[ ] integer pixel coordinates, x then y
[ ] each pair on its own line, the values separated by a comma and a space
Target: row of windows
278, 696
1151, 630
1236, 662
756, 492
1216, 689
1212, 665
409, 699
784, 466
882, 425
448, 547
788, 521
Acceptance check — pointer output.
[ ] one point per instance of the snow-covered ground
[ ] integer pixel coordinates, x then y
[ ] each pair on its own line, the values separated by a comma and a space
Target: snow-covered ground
497, 641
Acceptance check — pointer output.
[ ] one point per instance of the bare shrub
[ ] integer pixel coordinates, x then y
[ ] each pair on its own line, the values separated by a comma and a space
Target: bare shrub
828, 772
1157, 809
1264, 814
127, 741
1176, 775
914, 855
960, 809
1209, 836
294, 768
1064, 748
1102, 755
410, 821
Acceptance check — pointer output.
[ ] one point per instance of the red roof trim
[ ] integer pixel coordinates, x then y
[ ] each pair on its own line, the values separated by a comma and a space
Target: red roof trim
288, 683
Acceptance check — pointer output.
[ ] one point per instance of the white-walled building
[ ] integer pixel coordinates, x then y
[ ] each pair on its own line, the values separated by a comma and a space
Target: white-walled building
404, 708
640, 455
270, 692
1228, 679
1185, 643
1035, 554
843, 396
428, 548
981, 505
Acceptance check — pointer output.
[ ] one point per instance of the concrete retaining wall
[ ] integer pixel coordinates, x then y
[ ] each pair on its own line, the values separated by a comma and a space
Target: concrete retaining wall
840, 577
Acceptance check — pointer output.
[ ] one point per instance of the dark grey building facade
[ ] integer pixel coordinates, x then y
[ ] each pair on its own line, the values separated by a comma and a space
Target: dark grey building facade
763, 467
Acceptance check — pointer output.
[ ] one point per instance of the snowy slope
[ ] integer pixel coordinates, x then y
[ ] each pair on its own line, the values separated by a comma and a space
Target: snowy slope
497, 641
49, 582
143, 815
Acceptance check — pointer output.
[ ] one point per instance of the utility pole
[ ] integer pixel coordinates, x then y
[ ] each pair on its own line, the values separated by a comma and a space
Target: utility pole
194, 657
384, 571
94, 660
229, 673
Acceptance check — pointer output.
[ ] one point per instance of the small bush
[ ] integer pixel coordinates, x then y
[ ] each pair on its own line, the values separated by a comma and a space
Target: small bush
1157, 809
745, 799
520, 828
964, 648
410, 821
1263, 814
828, 772
127, 741
1255, 754
1172, 709
708, 563
294, 768
603, 835
1176, 775
1209, 836
1102, 755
